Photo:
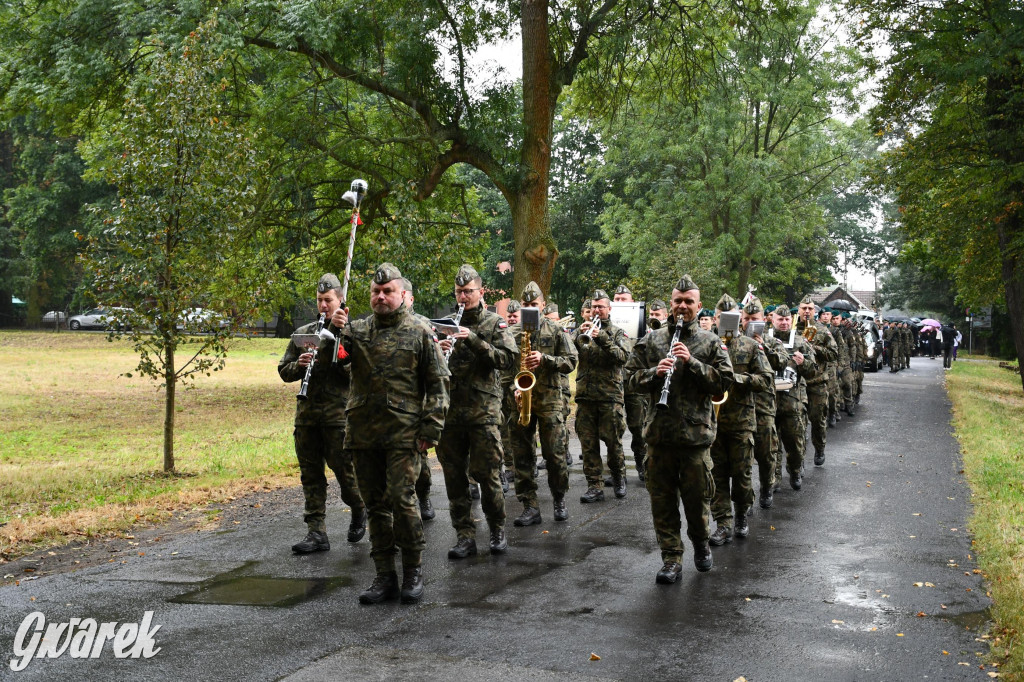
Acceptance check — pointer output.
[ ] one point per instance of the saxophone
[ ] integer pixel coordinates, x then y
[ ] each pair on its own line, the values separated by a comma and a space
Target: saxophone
524, 381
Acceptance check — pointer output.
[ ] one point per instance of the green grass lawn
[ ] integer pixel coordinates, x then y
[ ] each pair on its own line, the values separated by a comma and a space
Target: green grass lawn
81, 447
988, 415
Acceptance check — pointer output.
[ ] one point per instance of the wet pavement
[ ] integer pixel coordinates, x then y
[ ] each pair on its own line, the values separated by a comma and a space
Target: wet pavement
865, 574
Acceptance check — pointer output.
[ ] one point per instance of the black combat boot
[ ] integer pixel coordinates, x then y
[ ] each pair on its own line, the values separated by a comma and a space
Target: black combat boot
474, 491
384, 587
592, 495
702, 557
426, 509
561, 513
357, 527
463, 548
608, 482
819, 457
620, 486
412, 584
796, 480
741, 528
722, 535
529, 517
499, 543
315, 541
767, 497
669, 573
849, 408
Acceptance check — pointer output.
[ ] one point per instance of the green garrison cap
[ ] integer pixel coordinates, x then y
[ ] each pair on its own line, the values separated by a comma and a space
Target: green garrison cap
550, 308
621, 289
704, 312
385, 273
686, 284
754, 307
530, 293
807, 299
601, 293
467, 273
512, 307
783, 311
327, 282
658, 304
794, 310
846, 316
726, 303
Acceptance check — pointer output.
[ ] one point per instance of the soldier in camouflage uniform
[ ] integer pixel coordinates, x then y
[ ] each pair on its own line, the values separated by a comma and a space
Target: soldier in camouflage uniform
832, 370
862, 359
508, 404
766, 440
791, 405
599, 398
396, 411
551, 312
659, 312
847, 356
825, 351
706, 320
889, 336
320, 428
732, 452
636, 403
471, 442
552, 354
908, 344
680, 434
850, 383
427, 512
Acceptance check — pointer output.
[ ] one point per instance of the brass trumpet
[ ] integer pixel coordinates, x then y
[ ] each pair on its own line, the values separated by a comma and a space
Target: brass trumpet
595, 327
718, 401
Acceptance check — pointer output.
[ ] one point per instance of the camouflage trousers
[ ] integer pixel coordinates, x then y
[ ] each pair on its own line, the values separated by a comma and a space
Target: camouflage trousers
858, 383
636, 416
509, 411
817, 414
472, 451
766, 447
598, 422
792, 429
387, 482
679, 473
423, 480
732, 454
551, 427
834, 392
846, 379
316, 446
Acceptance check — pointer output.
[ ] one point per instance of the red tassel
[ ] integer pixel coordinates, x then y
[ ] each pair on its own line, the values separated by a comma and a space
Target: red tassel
342, 353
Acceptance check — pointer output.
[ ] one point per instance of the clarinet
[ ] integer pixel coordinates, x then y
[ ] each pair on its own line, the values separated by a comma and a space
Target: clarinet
309, 367
457, 319
663, 401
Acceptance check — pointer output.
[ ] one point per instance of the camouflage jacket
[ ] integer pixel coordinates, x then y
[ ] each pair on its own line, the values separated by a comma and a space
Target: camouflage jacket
751, 374
599, 377
689, 419
826, 353
778, 358
626, 389
842, 343
559, 357
327, 392
399, 382
475, 366
793, 400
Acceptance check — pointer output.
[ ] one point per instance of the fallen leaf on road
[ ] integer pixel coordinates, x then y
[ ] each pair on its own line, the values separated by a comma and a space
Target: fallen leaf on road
899, 634
746, 599
772, 527
544, 532
740, 679
976, 571
921, 614
918, 584
929, 584
993, 674
943, 606
173, 553
838, 622
594, 657
945, 653
874, 629
917, 514
962, 663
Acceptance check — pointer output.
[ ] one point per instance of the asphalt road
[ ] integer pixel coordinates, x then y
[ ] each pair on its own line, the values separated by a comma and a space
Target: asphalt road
865, 574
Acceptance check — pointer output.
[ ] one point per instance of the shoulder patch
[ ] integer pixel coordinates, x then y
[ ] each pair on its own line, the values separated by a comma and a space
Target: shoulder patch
760, 347
434, 337
502, 324
724, 347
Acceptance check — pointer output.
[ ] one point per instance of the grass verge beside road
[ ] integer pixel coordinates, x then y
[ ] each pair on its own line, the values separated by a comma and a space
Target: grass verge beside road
81, 446
988, 411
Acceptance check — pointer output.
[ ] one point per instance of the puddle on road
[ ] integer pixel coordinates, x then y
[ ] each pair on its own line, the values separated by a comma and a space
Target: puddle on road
261, 591
972, 620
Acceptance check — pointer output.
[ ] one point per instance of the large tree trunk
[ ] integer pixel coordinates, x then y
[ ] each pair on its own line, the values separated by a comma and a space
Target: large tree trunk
1013, 284
535, 253
170, 383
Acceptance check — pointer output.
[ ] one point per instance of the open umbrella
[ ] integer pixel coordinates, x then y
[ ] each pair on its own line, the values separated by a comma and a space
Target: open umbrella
842, 304
929, 322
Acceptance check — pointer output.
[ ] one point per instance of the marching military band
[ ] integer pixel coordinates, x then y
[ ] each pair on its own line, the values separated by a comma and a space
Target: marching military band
705, 394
